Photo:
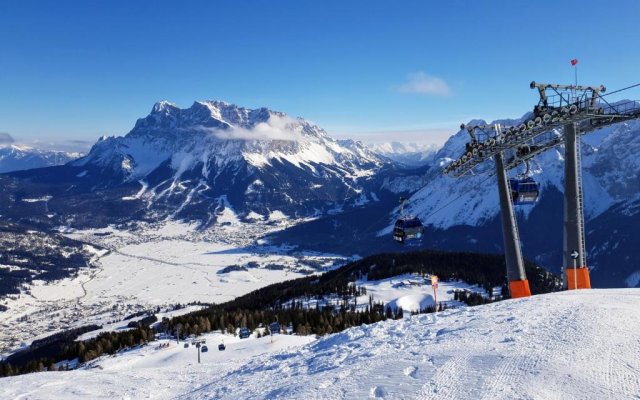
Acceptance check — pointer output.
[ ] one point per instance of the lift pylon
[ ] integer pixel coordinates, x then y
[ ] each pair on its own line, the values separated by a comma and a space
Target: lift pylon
574, 236
518, 283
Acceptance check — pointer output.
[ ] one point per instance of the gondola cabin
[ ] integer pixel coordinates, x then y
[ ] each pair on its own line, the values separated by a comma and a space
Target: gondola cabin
408, 228
524, 191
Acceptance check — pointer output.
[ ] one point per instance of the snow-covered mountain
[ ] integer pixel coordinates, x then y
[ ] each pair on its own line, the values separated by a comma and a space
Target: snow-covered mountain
17, 158
409, 154
194, 163
218, 135
608, 166
260, 162
611, 192
462, 214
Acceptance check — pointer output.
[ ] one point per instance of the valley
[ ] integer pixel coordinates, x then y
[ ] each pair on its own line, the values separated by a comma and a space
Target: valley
154, 267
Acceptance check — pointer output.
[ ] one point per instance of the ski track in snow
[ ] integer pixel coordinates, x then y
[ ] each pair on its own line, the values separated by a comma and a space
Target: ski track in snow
582, 345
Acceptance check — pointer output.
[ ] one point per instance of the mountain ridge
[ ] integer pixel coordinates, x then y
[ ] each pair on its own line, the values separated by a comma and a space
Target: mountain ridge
193, 163
19, 157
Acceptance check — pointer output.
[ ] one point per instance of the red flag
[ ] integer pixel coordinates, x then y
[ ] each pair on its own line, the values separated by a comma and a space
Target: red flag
574, 62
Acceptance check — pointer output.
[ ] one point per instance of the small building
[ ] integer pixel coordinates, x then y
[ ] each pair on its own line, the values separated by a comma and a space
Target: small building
244, 333
274, 328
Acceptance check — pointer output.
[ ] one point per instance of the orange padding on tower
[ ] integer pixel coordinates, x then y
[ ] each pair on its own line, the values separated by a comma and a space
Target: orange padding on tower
581, 275
519, 289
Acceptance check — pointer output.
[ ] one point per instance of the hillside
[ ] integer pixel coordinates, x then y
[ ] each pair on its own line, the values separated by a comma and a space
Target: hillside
365, 291
29, 255
547, 346
130, 271
462, 214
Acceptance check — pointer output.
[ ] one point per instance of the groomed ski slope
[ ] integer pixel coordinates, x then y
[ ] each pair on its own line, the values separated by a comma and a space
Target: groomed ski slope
570, 345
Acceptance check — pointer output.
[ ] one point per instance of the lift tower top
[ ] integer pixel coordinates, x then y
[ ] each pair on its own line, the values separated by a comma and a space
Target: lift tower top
558, 106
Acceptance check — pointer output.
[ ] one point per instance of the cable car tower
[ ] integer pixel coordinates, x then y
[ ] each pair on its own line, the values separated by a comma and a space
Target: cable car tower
563, 113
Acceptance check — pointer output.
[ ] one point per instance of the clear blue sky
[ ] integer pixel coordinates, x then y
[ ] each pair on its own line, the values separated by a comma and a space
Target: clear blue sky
80, 69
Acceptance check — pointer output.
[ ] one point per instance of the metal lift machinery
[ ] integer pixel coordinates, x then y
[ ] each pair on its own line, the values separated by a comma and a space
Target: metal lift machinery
563, 113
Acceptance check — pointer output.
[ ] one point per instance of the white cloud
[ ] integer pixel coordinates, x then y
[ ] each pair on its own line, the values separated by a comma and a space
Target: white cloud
276, 128
422, 83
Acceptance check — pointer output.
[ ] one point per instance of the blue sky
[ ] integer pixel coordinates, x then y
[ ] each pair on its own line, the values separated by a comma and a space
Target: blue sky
366, 69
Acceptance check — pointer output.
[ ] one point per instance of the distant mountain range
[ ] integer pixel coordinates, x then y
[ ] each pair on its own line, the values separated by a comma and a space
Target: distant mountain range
408, 154
18, 158
217, 163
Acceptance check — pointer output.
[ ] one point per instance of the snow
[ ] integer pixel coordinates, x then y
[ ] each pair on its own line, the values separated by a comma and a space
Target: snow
633, 280
444, 201
256, 159
277, 215
577, 344
36, 200
254, 216
174, 270
407, 153
227, 215
139, 194
133, 373
412, 292
122, 325
19, 157
61, 290
254, 187
215, 132
361, 200
154, 266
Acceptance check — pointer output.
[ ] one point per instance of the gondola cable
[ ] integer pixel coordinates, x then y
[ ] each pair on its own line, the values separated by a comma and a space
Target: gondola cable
620, 90
432, 212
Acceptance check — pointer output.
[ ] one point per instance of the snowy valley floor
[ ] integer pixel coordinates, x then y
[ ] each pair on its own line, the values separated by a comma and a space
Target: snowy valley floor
581, 345
154, 266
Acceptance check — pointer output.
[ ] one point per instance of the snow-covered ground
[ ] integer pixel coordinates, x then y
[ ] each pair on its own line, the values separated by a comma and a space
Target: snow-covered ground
135, 374
154, 266
414, 293
582, 345
410, 291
